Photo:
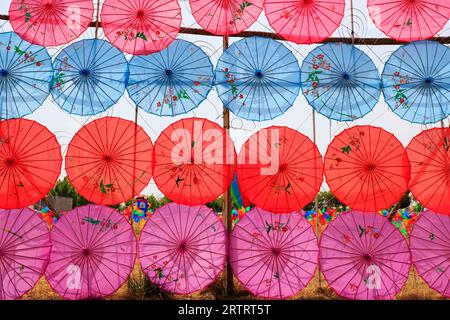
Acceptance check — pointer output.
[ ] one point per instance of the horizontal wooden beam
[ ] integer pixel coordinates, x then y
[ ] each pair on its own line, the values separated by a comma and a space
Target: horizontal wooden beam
245, 34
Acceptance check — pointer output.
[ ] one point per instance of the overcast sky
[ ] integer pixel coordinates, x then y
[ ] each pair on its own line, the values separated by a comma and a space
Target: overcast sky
299, 116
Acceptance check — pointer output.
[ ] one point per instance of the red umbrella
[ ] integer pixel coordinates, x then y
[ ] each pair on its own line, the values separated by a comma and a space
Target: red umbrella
50, 22
194, 161
141, 27
304, 21
280, 169
225, 17
367, 168
429, 154
30, 162
110, 160
407, 20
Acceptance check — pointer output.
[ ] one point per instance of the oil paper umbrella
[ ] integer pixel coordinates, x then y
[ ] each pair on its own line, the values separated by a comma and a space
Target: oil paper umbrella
430, 249
416, 81
25, 75
340, 81
429, 153
407, 20
364, 257
110, 160
30, 162
182, 248
24, 251
225, 17
305, 21
258, 78
93, 253
194, 161
141, 27
171, 82
273, 255
50, 22
280, 169
367, 168
90, 76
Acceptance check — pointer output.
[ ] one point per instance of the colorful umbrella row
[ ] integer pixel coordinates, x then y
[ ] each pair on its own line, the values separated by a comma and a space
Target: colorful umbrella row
144, 27
91, 252
338, 80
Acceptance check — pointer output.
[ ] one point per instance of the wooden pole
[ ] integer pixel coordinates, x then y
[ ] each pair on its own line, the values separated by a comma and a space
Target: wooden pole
316, 199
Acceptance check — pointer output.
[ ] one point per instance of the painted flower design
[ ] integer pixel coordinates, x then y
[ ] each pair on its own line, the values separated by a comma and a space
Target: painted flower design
399, 89
319, 64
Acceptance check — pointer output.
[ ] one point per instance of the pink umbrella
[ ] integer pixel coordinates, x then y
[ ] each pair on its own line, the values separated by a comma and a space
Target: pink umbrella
364, 257
430, 249
24, 251
182, 248
273, 255
94, 251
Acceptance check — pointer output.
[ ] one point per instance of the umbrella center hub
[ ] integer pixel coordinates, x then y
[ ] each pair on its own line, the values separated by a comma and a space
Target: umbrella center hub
86, 252
85, 72
4, 73
182, 247
10, 162
276, 251
140, 14
428, 81
307, 2
48, 6
259, 74
368, 257
168, 72
370, 167
283, 168
345, 76
107, 158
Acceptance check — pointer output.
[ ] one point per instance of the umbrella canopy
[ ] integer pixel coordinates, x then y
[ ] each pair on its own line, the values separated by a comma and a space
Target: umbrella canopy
171, 82
430, 247
416, 82
25, 75
194, 161
30, 162
429, 153
110, 160
225, 17
90, 76
340, 81
93, 253
406, 20
280, 169
364, 257
258, 78
24, 251
367, 168
50, 22
141, 27
305, 21
182, 248
273, 255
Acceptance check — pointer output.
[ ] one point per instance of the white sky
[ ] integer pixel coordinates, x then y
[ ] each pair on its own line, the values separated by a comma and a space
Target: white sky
299, 116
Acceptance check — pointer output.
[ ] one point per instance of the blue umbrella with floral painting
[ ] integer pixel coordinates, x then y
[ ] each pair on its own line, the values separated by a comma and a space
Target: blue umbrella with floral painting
171, 82
25, 75
90, 76
340, 81
258, 78
416, 82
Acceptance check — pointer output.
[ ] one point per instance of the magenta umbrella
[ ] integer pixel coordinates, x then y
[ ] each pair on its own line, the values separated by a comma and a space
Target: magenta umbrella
430, 249
93, 253
182, 248
364, 257
273, 255
24, 251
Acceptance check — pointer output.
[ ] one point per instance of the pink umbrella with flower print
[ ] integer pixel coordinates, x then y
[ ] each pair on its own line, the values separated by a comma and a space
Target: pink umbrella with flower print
93, 253
364, 257
430, 249
273, 255
24, 251
182, 248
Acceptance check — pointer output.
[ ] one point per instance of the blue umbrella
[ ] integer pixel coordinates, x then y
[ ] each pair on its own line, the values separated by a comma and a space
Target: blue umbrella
258, 78
340, 81
90, 76
416, 82
25, 75
171, 82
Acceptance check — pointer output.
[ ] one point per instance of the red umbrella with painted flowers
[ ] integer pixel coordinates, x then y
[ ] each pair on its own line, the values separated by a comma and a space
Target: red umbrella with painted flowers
50, 22
367, 168
110, 160
141, 27
30, 162
280, 169
195, 161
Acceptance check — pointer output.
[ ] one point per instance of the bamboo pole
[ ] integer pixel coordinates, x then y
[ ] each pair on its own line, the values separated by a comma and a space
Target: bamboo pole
316, 199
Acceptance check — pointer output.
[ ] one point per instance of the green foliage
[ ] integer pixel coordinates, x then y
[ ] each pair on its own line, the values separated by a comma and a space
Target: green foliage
64, 188
326, 200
